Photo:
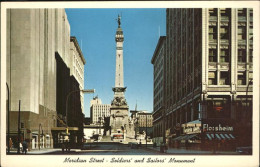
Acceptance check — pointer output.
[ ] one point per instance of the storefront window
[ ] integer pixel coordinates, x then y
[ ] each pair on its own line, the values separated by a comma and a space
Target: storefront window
219, 108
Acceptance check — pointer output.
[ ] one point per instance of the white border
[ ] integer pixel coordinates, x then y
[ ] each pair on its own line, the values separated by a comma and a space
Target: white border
57, 160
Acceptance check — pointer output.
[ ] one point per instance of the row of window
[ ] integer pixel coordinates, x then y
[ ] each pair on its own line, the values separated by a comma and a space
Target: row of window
225, 32
225, 54
224, 78
227, 12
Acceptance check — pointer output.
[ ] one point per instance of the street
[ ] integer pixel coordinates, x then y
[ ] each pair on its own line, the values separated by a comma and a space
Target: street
108, 149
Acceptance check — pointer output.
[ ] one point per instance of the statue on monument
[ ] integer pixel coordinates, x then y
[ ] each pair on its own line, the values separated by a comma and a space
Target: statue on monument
119, 101
119, 21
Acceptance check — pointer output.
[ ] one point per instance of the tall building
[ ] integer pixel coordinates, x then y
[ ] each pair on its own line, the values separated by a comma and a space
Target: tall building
38, 53
76, 65
158, 91
119, 107
208, 77
98, 111
31, 72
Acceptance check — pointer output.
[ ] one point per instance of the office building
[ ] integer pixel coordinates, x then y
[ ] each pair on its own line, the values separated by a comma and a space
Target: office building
38, 53
208, 77
98, 111
76, 64
158, 91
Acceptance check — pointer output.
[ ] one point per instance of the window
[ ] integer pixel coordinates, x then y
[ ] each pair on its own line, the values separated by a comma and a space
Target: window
224, 55
241, 33
250, 76
241, 55
251, 55
224, 32
224, 78
212, 55
224, 12
251, 33
219, 108
241, 12
241, 78
213, 12
212, 32
212, 78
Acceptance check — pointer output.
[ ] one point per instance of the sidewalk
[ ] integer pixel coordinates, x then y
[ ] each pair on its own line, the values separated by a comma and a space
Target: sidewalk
182, 151
36, 151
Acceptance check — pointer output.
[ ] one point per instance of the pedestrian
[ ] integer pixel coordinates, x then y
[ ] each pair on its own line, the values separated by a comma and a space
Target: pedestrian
25, 146
20, 146
10, 143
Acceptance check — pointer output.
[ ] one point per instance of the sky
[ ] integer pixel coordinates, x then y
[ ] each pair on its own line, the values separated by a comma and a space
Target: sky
95, 31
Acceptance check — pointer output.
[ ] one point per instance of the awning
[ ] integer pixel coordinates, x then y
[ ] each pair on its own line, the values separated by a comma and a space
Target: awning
185, 137
220, 136
179, 138
188, 137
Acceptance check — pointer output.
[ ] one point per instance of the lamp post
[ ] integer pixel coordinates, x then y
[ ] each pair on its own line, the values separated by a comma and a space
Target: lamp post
248, 117
8, 120
84, 91
247, 105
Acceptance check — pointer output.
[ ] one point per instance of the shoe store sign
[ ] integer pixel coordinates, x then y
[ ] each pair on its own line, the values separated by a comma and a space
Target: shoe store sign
217, 128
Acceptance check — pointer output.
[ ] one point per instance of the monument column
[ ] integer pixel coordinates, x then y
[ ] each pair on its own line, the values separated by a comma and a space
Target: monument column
119, 107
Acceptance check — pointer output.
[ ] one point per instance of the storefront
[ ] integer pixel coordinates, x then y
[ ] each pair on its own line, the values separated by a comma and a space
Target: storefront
218, 134
190, 137
60, 136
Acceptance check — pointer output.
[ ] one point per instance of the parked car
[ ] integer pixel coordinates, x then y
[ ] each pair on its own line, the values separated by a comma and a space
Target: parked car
244, 150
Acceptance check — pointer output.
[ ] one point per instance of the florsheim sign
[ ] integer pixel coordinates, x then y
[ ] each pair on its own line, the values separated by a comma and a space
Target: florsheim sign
219, 128
218, 125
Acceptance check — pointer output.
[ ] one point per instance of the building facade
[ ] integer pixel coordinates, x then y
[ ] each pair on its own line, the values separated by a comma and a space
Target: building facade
208, 76
158, 91
32, 72
76, 64
98, 111
142, 123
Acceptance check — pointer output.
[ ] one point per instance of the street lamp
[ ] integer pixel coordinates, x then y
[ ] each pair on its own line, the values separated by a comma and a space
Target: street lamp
249, 114
247, 105
83, 91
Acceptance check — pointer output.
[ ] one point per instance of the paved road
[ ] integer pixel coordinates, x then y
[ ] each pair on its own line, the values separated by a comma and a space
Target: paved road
110, 149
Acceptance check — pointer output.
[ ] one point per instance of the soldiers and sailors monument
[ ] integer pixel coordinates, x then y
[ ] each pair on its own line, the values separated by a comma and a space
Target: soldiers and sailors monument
119, 119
